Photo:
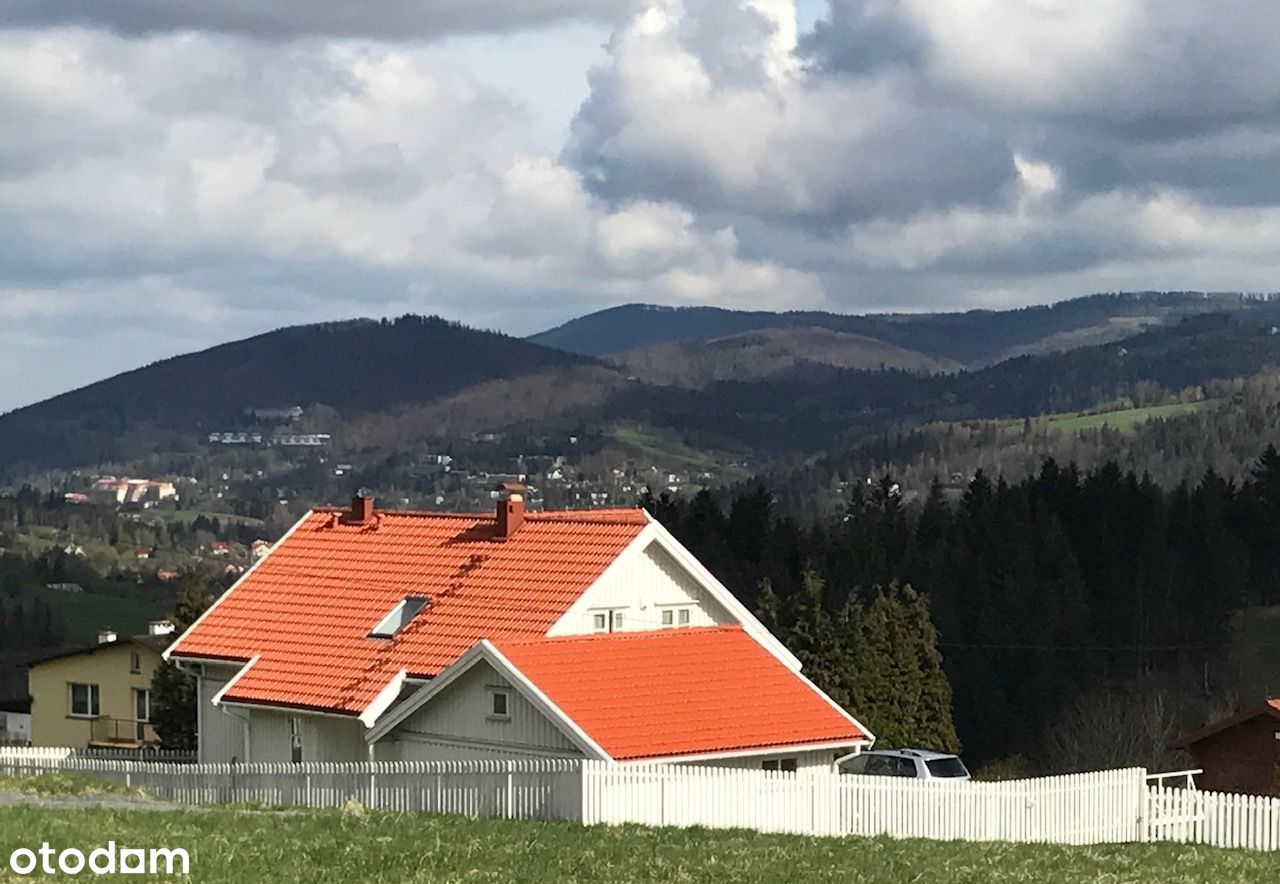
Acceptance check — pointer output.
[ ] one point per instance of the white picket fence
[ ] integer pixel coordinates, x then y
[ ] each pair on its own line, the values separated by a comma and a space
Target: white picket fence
1092, 808
1218, 819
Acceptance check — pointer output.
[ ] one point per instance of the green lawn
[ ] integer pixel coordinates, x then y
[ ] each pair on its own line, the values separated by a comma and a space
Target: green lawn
86, 613
248, 846
666, 451
1124, 421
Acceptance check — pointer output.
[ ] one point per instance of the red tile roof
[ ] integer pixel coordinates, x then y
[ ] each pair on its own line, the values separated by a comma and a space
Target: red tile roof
308, 606
679, 692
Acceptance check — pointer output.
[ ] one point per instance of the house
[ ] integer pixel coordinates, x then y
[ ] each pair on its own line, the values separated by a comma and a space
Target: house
420, 635
98, 695
1240, 753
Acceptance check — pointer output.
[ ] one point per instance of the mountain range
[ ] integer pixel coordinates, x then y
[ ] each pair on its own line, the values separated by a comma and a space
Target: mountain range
747, 381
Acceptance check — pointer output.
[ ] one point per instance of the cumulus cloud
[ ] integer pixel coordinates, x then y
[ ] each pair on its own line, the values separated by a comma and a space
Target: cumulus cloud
239, 165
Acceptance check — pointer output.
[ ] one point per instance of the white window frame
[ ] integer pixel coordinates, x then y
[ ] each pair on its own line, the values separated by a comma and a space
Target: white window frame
390, 625
776, 764
493, 693
93, 698
295, 739
607, 619
675, 615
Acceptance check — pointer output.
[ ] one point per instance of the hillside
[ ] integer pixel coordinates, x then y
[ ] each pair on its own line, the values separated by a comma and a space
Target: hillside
975, 338
767, 352
353, 367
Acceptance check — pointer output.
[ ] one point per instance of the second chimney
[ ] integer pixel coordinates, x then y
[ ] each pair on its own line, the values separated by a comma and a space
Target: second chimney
361, 509
510, 510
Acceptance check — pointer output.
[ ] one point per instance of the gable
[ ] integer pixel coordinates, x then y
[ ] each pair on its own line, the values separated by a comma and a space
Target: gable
461, 715
642, 587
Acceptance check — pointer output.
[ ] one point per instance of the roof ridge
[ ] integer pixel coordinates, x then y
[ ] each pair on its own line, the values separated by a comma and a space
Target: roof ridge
619, 636
595, 516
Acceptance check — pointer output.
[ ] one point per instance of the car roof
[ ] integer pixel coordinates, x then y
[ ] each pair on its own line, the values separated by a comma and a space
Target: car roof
923, 754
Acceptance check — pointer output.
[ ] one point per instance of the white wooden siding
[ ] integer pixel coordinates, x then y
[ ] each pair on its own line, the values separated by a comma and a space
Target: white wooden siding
642, 586
815, 760
221, 732
324, 737
458, 724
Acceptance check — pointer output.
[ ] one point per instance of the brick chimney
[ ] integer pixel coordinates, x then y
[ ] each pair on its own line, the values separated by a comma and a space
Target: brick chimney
510, 510
361, 509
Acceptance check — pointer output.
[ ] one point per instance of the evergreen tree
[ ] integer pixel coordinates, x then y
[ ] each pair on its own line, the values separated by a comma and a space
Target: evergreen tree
173, 692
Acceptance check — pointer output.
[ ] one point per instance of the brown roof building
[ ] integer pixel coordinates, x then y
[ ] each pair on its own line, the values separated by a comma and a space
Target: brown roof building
1240, 753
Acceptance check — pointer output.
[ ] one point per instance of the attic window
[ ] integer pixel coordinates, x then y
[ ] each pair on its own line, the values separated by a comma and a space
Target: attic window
400, 616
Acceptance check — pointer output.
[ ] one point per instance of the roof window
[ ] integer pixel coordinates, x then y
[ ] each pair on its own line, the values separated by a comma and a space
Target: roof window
399, 617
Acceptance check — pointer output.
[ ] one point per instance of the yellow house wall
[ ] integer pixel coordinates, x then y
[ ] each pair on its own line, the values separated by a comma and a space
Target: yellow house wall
49, 684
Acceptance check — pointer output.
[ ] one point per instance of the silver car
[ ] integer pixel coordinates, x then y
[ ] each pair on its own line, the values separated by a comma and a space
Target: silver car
920, 764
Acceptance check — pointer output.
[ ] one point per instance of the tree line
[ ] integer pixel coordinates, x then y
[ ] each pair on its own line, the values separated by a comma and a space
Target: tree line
1005, 607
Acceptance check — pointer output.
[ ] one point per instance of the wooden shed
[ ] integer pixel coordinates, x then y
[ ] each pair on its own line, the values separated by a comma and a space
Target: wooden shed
1240, 753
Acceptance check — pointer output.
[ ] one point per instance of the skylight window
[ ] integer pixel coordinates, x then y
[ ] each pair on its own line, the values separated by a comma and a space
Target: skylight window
400, 615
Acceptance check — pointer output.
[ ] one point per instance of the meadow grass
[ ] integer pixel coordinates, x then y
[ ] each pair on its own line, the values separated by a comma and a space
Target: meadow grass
247, 847
64, 783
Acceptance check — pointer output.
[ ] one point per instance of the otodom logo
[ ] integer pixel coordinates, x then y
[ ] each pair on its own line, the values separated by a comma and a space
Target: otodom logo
108, 860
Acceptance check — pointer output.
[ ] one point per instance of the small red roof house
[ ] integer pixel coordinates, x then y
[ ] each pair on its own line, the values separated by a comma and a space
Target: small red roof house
1240, 753
419, 636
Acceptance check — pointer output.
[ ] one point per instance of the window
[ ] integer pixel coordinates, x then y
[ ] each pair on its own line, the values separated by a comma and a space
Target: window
141, 704
786, 765
135, 662
946, 766
400, 616
856, 765
84, 700
295, 740
607, 621
499, 704
675, 617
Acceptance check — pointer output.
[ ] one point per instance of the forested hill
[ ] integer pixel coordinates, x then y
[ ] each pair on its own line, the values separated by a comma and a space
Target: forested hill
354, 367
976, 337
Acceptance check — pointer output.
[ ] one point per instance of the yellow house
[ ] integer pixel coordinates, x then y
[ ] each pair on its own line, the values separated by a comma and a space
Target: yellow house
99, 695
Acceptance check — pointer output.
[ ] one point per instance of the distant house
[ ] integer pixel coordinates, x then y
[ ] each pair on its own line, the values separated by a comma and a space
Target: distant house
592, 634
1240, 753
74, 588
109, 489
99, 695
73, 549
259, 549
166, 576
220, 548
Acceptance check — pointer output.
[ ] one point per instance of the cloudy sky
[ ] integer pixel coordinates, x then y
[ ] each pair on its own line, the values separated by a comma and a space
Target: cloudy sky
175, 174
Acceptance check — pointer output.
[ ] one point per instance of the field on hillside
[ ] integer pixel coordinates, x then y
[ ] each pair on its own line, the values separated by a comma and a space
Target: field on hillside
1124, 420
247, 846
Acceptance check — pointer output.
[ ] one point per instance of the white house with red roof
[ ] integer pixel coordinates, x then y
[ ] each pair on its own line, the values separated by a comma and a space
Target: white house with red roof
592, 634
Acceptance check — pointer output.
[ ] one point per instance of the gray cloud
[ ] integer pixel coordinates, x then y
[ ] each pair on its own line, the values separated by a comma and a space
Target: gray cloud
168, 167
276, 19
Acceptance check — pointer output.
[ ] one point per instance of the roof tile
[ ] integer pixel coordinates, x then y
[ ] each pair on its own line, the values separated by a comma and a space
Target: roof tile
307, 608
681, 691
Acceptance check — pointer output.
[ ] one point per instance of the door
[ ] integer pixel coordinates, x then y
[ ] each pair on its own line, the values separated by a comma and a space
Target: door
141, 712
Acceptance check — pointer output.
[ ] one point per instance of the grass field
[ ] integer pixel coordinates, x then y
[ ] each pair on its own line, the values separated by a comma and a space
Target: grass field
671, 453
85, 613
1124, 421
246, 847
